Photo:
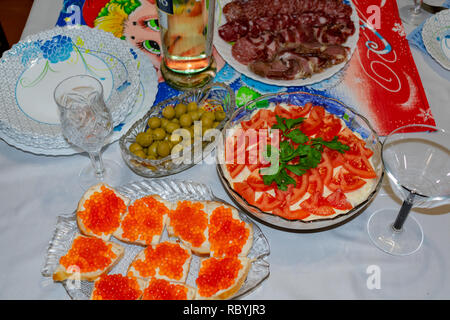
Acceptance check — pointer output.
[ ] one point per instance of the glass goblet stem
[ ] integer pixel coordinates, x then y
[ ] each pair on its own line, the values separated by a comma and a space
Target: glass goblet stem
404, 211
97, 162
417, 6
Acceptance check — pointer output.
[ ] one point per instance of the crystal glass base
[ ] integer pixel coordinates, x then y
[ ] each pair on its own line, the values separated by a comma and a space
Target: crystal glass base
396, 242
408, 15
112, 176
182, 81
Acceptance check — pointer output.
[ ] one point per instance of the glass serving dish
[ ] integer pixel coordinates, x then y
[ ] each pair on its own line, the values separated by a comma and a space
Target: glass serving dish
171, 190
215, 94
355, 121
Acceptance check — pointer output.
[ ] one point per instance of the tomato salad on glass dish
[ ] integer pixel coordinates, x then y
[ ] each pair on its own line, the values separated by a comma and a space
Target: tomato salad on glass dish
298, 162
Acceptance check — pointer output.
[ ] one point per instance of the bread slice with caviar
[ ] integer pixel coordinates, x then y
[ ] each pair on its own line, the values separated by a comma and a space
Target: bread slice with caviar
100, 211
167, 260
221, 278
88, 258
188, 221
160, 289
227, 233
117, 287
144, 221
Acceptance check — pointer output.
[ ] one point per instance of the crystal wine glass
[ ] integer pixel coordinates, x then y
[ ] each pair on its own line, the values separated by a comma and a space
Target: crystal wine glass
413, 13
417, 161
86, 122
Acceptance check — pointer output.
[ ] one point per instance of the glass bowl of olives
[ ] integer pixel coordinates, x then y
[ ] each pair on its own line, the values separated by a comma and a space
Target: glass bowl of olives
173, 135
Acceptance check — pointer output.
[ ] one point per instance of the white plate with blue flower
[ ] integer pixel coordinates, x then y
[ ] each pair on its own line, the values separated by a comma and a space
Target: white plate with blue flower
31, 69
436, 37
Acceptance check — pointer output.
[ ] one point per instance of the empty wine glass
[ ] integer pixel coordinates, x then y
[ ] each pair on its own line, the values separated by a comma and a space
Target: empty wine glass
413, 13
86, 122
417, 161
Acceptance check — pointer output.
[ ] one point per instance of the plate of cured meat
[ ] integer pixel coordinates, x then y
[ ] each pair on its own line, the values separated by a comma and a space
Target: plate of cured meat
287, 43
156, 240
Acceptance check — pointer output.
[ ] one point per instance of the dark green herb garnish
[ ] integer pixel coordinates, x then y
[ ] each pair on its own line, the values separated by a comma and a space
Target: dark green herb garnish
298, 158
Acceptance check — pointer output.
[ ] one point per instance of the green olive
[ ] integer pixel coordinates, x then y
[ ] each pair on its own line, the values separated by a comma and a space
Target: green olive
195, 115
207, 122
140, 154
171, 127
175, 120
191, 132
215, 124
164, 148
208, 115
185, 120
168, 112
134, 147
159, 134
180, 109
154, 122
175, 138
164, 123
220, 115
153, 149
151, 157
192, 106
144, 139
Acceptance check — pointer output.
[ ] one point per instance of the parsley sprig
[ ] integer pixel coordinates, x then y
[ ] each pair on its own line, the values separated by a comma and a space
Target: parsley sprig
298, 158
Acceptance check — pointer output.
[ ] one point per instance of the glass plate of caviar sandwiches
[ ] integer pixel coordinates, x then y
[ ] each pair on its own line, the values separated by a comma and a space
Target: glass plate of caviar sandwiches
159, 239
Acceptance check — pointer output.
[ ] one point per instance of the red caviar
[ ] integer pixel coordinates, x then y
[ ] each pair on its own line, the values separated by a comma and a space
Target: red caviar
159, 289
226, 235
116, 287
102, 212
145, 219
189, 222
167, 257
88, 254
217, 274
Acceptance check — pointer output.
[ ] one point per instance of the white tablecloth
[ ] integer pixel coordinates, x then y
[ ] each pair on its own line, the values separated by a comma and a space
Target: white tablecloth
334, 264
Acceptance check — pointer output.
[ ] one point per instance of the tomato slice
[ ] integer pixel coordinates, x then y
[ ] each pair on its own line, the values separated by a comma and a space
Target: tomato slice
325, 169
256, 182
235, 169
329, 128
346, 181
315, 181
297, 112
311, 125
286, 213
282, 112
300, 190
338, 200
245, 191
267, 202
315, 204
360, 166
336, 158
356, 145
255, 122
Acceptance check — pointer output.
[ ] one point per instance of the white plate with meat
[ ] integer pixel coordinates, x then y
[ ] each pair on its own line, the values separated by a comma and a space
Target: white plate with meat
286, 43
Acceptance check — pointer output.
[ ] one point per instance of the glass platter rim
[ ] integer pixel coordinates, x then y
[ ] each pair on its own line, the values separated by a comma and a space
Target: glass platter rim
68, 221
328, 222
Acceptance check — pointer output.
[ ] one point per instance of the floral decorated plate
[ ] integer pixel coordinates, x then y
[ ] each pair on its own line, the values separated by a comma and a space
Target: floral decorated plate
436, 37
31, 69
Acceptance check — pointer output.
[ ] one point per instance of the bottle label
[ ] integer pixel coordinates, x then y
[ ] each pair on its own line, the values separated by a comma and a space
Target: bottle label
165, 6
